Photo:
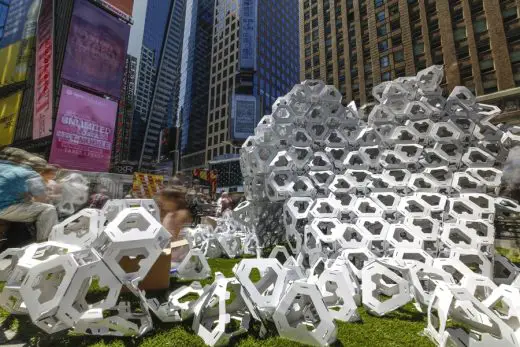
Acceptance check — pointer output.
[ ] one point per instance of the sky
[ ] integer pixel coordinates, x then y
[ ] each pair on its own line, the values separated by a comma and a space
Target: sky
136, 32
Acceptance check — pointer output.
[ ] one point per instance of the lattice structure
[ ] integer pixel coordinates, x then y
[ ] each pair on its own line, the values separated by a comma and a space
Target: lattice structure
395, 209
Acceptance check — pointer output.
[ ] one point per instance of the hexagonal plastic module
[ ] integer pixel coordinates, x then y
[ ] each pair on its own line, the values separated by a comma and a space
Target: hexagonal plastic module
320, 162
421, 182
474, 259
355, 259
81, 229
302, 316
131, 243
278, 185
401, 235
338, 292
366, 207
265, 290
397, 177
8, 260
375, 276
44, 287
75, 303
327, 229
281, 162
424, 279
504, 271
476, 157
321, 179
113, 207
458, 236
412, 206
107, 323
479, 286
214, 318
490, 177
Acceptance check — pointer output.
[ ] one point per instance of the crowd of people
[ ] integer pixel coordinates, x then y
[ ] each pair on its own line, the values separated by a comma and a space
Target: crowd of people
29, 193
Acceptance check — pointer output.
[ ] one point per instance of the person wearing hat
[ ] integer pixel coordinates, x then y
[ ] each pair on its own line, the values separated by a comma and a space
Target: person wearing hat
23, 191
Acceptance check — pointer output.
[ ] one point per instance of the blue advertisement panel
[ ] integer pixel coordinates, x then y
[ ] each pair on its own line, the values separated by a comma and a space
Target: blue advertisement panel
21, 21
243, 116
248, 27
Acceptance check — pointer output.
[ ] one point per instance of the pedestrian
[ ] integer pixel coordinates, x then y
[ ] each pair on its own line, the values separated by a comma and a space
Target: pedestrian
48, 174
23, 192
174, 212
226, 204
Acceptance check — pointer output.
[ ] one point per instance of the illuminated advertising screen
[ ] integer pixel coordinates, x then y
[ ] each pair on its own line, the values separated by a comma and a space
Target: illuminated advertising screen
96, 49
16, 46
9, 109
84, 131
243, 116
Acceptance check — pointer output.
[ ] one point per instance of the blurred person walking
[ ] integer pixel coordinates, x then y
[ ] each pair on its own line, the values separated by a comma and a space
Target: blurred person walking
174, 212
23, 191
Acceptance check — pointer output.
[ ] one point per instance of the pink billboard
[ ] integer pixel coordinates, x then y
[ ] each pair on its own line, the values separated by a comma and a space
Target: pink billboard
84, 131
96, 49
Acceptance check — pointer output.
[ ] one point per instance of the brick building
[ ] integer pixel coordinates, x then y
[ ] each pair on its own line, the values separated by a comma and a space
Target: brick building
356, 44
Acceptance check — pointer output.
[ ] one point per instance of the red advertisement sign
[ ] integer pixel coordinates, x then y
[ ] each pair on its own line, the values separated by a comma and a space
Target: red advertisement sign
43, 88
84, 131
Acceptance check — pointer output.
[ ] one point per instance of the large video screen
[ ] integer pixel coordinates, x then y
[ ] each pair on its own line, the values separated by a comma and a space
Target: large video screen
84, 131
96, 49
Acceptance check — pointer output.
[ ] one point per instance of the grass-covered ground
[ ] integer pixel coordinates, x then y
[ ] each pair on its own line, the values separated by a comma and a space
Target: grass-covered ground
401, 328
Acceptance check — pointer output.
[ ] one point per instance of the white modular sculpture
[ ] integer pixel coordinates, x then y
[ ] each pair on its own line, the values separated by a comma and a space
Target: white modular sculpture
380, 209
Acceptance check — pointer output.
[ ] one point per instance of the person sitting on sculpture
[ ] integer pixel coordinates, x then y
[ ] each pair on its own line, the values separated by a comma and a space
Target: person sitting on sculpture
23, 192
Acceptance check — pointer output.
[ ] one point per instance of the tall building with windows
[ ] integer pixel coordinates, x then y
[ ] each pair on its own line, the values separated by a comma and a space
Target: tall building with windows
125, 112
158, 79
192, 110
356, 44
254, 60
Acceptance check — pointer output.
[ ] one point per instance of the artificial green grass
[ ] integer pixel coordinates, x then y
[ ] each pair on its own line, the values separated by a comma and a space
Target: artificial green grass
400, 328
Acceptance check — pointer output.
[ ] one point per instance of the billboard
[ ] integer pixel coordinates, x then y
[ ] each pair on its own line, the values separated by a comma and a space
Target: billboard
9, 108
146, 186
96, 49
43, 88
248, 33
124, 6
243, 116
84, 131
17, 43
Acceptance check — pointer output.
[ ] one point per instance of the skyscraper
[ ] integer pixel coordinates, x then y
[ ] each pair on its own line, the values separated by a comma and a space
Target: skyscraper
125, 112
356, 44
158, 81
194, 86
254, 60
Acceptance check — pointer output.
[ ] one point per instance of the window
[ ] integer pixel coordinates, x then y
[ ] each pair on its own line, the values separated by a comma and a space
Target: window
396, 41
378, 3
480, 26
380, 16
398, 56
383, 46
384, 61
381, 31
393, 10
486, 65
418, 48
386, 76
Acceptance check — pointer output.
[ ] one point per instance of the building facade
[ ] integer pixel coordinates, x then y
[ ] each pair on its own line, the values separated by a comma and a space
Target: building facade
254, 60
158, 79
125, 113
165, 94
356, 44
192, 110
